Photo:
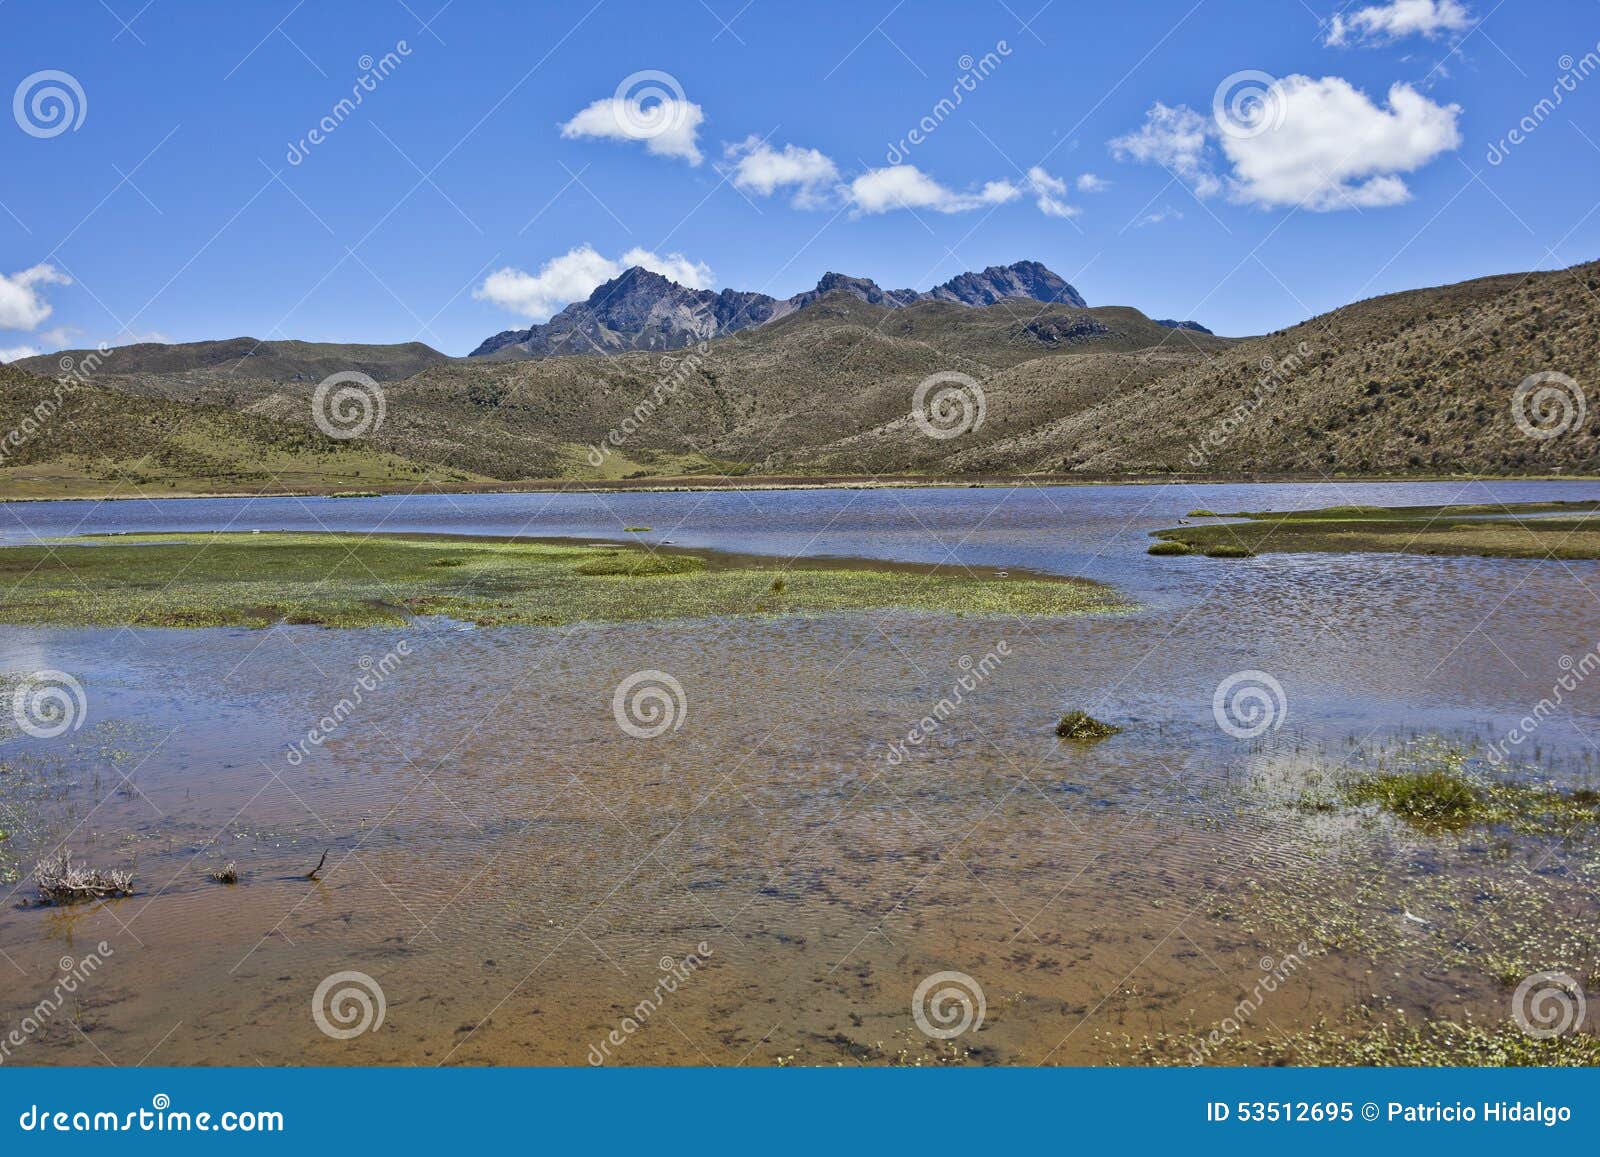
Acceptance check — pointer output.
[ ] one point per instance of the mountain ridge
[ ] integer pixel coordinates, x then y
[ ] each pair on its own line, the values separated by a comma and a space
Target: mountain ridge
643, 310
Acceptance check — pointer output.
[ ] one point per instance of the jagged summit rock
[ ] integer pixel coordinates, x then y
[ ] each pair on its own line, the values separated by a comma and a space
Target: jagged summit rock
641, 310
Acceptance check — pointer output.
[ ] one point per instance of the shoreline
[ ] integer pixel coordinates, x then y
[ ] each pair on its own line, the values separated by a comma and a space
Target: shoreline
696, 483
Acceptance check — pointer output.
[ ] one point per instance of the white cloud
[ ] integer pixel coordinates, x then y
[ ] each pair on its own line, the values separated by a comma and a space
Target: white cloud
574, 275
673, 266
668, 125
1319, 144
1089, 183
1384, 23
1332, 147
22, 306
17, 353
1165, 213
1048, 192
908, 187
760, 169
1177, 139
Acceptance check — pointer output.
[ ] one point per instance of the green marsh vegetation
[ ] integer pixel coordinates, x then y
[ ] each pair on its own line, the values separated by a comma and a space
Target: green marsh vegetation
1557, 530
341, 580
1419, 865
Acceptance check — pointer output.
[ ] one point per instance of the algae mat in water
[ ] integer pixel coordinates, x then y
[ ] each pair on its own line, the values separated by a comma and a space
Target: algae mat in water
343, 580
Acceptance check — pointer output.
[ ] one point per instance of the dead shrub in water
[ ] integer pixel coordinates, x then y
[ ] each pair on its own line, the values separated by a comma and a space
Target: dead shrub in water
63, 882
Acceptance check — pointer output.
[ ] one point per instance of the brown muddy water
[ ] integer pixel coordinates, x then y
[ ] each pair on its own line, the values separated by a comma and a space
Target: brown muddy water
518, 880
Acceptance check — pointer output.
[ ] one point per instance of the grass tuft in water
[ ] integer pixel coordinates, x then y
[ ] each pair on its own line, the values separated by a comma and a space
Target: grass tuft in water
1169, 547
1228, 550
1434, 800
1081, 727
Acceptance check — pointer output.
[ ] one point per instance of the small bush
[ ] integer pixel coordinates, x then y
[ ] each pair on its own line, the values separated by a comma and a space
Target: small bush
1081, 727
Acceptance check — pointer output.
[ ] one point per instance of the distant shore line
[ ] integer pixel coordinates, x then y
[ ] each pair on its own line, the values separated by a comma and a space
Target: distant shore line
692, 483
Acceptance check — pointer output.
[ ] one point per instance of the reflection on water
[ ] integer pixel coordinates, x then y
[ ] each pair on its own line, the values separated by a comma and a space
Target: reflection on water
514, 871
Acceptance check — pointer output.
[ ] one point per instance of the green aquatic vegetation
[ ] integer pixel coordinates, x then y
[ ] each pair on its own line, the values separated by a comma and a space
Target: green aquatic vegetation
1170, 547
1228, 550
346, 580
637, 529
1081, 727
1565, 530
1430, 800
1444, 798
1203, 513
1366, 1038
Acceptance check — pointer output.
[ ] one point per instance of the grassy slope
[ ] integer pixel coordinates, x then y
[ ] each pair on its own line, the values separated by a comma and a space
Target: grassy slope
249, 359
101, 441
347, 580
1417, 381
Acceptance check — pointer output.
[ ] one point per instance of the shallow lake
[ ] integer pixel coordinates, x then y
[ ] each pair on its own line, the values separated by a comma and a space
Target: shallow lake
519, 875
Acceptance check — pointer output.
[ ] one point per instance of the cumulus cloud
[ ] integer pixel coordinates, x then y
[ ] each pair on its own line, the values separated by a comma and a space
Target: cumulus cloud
574, 275
17, 353
1089, 183
1318, 144
22, 305
1048, 192
667, 124
1177, 139
760, 169
1385, 23
908, 187
1331, 147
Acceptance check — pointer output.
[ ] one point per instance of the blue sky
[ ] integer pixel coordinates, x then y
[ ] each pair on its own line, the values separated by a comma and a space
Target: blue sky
167, 205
